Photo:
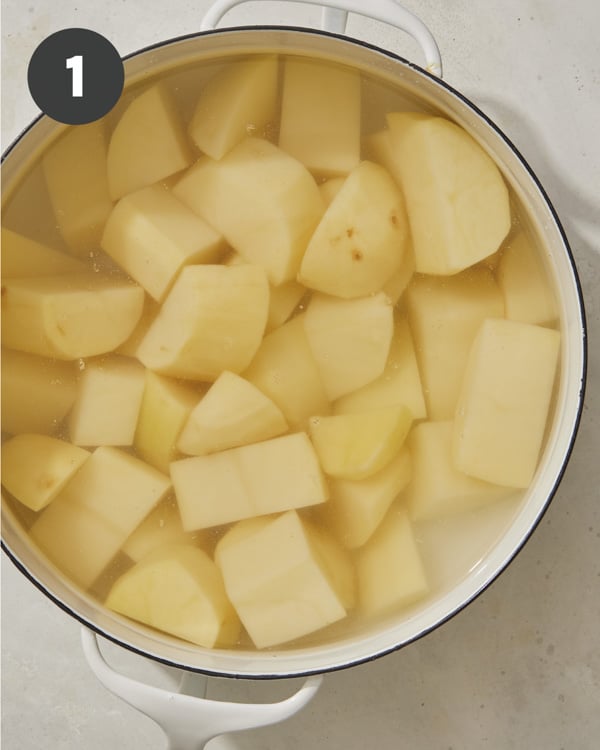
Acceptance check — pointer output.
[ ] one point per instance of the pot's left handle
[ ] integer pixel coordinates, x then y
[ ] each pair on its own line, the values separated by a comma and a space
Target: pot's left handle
335, 14
190, 720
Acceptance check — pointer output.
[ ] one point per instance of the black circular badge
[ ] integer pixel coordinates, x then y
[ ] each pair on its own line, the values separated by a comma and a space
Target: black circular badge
75, 76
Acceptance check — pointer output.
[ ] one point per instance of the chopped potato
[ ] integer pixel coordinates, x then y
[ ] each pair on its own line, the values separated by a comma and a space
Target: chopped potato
22, 256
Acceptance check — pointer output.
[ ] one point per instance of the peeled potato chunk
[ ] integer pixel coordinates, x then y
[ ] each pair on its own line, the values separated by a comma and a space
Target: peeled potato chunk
349, 339
438, 489
76, 176
165, 408
265, 203
456, 198
445, 315
320, 116
147, 144
360, 241
267, 477
527, 294
152, 236
213, 319
108, 402
389, 568
357, 507
36, 467
22, 256
283, 579
161, 526
399, 383
233, 412
355, 446
84, 527
504, 402
240, 100
68, 317
178, 589
285, 370
37, 393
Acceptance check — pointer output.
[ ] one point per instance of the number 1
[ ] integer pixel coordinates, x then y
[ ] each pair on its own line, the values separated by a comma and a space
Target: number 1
75, 63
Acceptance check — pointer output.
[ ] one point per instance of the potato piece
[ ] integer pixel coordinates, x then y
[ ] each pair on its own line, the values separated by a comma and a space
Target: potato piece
444, 316
68, 317
147, 144
166, 406
399, 382
389, 569
381, 146
22, 256
36, 393
178, 589
356, 446
504, 402
320, 116
241, 99
525, 285
75, 172
267, 477
349, 339
357, 507
438, 489
264, 202
330, 188
396, 285
360, 242
232, 413
86, 524
456, 199
130, 346
108, 402
152, 236
212, 320
161, 526
285, 370
280, 585
36, 467
283, 301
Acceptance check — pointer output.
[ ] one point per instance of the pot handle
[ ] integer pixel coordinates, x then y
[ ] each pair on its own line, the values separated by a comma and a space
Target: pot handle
188, 719
335, 14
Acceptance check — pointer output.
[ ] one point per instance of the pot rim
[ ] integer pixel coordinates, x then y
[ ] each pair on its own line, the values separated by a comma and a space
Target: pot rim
541, 508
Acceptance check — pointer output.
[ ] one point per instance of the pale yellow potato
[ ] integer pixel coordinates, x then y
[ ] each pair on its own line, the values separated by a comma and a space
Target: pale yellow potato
349, 339
399, 383
280, 585
233, 412
438, 489
130, 346
37, 393
358, 445
148, 143
456, 198
76, 176
107, 406
264, 202
238, 101
161, 526
320, 116
398, 282
285, 370
389, 569
68, 317
504, 402
444, 316
213, 319
35, 468
178, 589
524, 283
152, 235
361, 239
357, 507
165, 408
22, 256
267, 477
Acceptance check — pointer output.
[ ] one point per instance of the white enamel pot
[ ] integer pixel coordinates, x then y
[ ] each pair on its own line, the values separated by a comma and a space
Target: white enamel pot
425, 86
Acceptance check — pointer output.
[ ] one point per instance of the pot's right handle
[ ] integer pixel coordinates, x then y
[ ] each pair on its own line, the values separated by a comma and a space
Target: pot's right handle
334, 17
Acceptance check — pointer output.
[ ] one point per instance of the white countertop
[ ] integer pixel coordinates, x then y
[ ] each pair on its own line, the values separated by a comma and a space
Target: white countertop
520, 667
